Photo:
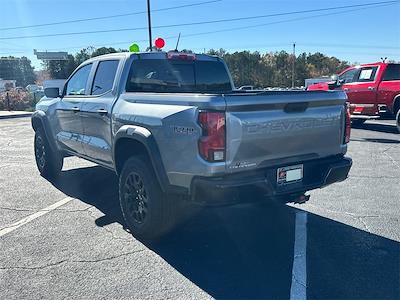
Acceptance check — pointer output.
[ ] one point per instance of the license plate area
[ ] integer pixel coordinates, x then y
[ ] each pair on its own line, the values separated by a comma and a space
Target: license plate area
290, 174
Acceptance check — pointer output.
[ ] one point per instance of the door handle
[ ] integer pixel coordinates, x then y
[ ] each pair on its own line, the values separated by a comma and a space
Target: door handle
346, 89
371, 88
75, 109
101, 111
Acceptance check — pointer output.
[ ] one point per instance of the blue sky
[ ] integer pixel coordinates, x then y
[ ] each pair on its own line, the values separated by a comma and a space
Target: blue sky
356, 36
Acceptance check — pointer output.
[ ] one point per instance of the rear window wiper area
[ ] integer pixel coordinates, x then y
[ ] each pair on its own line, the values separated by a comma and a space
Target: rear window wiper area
160, 75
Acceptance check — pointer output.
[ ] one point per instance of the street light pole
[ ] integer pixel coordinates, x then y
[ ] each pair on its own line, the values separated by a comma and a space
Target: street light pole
149, 21
293, 64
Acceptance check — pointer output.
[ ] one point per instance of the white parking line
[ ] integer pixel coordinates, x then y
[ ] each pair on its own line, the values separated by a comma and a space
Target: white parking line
298, 290
30, 218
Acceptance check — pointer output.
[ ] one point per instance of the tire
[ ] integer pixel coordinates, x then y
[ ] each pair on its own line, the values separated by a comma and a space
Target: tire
398, 121
48, 162
358, 122
147, 211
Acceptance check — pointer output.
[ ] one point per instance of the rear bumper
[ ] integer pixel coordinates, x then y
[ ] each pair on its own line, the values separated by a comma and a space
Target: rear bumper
365, 117
370, 111
317, 173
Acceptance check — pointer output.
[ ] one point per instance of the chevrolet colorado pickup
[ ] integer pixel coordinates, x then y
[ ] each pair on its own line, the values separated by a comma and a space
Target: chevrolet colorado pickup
173, 124
373, 90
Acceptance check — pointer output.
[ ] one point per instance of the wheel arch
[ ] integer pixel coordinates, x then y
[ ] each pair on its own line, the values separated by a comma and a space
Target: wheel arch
38, 121
133, 140
396, 104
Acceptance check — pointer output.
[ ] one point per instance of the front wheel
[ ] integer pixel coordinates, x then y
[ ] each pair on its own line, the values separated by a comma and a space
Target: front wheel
398, 121
49, 162
147, 211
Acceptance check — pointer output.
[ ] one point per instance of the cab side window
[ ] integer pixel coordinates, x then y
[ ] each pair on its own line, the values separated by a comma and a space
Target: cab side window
78, 82
104, 78
348, 76
367, 74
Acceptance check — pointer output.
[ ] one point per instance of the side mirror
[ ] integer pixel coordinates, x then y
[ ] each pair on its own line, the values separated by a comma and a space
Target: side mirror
333, 85
52, 92
336, 84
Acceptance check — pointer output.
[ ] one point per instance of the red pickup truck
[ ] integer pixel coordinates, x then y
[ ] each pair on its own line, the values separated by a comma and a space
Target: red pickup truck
373, 90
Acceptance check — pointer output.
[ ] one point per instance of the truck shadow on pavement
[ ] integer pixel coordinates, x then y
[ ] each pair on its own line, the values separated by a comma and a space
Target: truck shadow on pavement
385, 128
246, 251
382, 141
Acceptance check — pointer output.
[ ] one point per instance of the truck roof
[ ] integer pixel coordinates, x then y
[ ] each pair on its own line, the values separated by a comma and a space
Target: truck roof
149, 55
376, 64
380, 64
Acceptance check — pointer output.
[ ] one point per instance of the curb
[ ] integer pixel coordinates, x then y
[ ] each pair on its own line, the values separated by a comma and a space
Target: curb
15, 116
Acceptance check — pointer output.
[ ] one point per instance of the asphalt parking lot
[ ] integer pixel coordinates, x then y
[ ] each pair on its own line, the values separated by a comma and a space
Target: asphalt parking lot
344, 243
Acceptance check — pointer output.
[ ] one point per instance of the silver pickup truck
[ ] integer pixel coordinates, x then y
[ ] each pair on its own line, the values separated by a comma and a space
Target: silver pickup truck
173, 124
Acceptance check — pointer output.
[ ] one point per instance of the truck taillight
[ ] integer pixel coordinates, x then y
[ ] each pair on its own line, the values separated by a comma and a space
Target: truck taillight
347, 126
212, 141
181, 56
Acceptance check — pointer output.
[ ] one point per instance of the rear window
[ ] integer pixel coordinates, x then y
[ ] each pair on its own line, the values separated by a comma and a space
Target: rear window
392, 73
171, 76
104, 78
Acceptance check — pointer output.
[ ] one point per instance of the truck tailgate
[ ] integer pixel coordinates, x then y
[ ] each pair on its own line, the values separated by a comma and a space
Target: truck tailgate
284, 127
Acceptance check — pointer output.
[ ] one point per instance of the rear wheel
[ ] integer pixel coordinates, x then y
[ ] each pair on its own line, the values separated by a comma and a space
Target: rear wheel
147, 211
49, 162
398, 121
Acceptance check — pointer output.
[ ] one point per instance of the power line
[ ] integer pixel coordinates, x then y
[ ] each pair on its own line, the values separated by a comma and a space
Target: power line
279, 22
360, 6
350, 46
110, 17
288, 46
283, 14
247, 27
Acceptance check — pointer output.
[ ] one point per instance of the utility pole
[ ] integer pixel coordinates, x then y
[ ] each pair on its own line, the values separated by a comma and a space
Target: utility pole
293, 64
149, 21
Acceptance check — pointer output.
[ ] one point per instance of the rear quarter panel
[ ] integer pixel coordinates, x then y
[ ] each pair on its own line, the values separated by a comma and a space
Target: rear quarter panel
172, 120
387, 92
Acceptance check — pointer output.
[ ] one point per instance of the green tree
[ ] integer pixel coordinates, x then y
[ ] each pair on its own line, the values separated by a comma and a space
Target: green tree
102, 51
302, 71
245, 68
83, 55
27, 72
322, 65
221, 52
61, 69
19, 69
274, 69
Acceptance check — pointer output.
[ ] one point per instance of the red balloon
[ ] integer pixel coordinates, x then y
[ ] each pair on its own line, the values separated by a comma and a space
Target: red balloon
160, 43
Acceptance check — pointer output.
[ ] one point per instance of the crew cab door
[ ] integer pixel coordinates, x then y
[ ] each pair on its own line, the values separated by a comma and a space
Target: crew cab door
362, 91
96, 112
69, 133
